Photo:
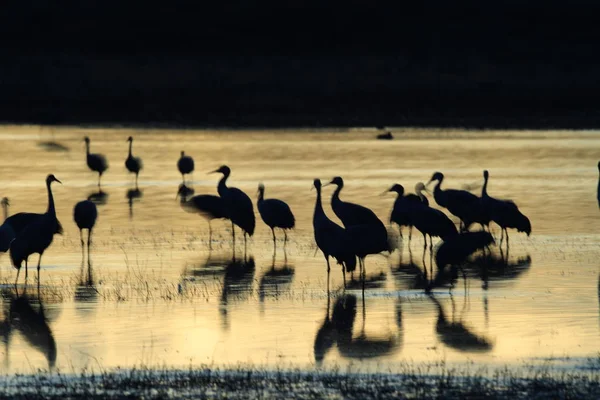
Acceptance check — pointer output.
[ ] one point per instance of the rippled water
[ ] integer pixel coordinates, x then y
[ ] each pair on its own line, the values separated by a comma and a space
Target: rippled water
161, 297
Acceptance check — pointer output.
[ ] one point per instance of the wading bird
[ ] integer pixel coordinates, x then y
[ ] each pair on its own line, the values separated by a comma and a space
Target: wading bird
366, 233
275, 214
238, 205
505, 213
402, 210
331, 238
96, 162
133, 164
206, 205
37, 236
14, 224
185, 165
465, 205
84, 215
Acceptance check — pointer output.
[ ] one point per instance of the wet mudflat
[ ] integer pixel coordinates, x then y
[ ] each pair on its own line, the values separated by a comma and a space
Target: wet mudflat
155, 294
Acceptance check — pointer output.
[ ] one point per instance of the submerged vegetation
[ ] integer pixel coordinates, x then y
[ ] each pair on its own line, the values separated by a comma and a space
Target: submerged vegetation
420, 382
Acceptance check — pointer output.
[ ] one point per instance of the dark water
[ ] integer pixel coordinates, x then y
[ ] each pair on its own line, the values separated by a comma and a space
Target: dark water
160, 297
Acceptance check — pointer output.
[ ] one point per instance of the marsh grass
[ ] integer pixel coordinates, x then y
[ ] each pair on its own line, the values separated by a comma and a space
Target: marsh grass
429, 381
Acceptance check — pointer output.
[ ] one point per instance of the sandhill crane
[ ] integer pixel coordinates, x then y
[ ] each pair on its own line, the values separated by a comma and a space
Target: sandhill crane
14, 224
185, 165
206, 205
331, 238
275, 213
133, 164
402, 209
463, 204
37, 236
367, 234
84, 215
238, 205
95, 161
503, 212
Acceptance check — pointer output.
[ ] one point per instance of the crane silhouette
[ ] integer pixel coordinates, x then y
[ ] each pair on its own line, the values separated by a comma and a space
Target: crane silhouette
206, 205
95, 161
185, 165
37, 236
133, 164
430, 221
275, 214
366, 233
402, 210
238, 205
456, 249
85, 214
505, 213
465, 205
14, 224
331, 238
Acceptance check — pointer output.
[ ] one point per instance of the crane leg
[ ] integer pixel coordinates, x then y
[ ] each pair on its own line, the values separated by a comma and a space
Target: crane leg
89, 242
328, 267
26, 274
136, 180
233, 233
273, 232
39, 262
17, 280
344, 273
409, 234
284, 238
209, 236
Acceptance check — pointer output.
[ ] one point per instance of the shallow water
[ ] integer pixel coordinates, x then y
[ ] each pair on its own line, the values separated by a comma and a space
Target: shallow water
160, 297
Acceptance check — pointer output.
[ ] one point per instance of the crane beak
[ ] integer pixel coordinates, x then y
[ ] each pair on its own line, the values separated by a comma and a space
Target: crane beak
214, 172
384, 192
428, 182
56, 180
326, 184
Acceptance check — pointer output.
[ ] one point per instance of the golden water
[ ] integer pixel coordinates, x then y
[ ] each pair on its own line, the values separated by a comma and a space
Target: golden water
161, 297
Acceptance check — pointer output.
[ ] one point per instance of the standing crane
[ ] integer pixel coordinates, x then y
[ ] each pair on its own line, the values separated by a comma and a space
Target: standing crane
505, 213
275, 214
85, 214
95, 161
133, 164
37, 236
206, 205
238, 205
331, 238
185, 165
465, 205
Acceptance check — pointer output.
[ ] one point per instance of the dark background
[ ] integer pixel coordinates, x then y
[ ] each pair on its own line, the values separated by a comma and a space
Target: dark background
512, 64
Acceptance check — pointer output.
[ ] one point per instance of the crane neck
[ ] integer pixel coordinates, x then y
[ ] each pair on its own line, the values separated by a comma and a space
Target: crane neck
336, 194
318, 204
87, 148
5, 209
484, 189
51, 209
261, 195
222, 187
130, 146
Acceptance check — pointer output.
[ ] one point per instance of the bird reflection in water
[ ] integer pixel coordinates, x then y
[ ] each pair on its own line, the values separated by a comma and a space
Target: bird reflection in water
27, 316
86, 290
276, 280
339, 330
235, 276
497, 267
455, 334
99, 198
133, 194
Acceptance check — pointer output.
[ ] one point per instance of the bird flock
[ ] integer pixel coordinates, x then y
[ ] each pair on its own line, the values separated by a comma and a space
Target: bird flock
361, 235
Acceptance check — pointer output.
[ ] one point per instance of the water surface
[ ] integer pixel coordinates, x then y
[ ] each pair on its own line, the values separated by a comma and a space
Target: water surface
160, 297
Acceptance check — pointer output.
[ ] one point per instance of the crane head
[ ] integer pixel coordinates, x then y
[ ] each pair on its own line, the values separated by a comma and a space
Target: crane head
129, 139
396, 188
317, 184
223, 169
5, 201
337, 181
182, 153
261, 189
486, 174
419, 187
86, 139
437, 176
51, 178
